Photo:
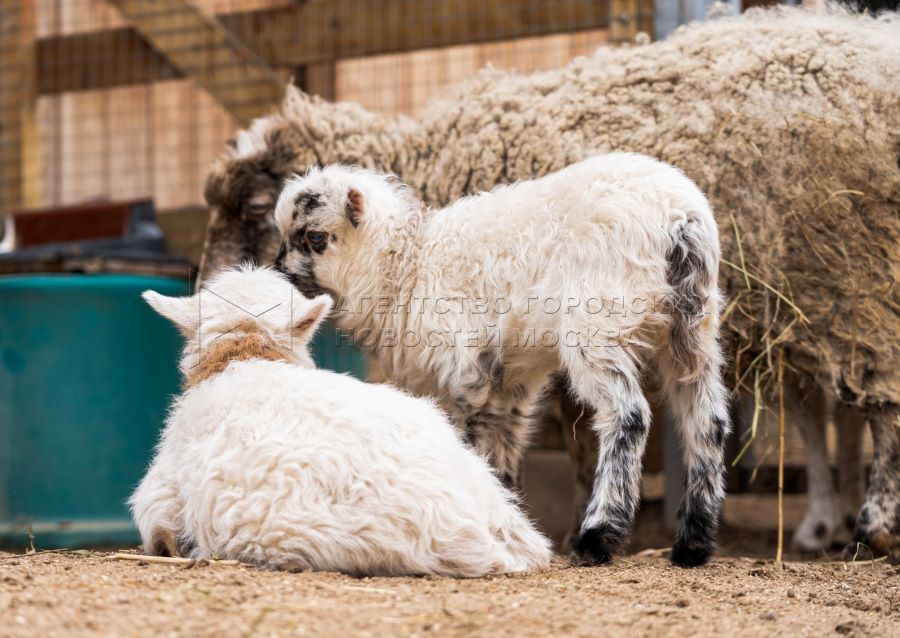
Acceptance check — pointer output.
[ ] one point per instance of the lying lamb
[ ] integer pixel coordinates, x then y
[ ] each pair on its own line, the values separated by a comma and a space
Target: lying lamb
617, 226
267, 460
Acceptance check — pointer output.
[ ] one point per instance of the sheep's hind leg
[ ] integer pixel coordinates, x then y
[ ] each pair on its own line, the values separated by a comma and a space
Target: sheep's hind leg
878, 523
816, 531
850, 422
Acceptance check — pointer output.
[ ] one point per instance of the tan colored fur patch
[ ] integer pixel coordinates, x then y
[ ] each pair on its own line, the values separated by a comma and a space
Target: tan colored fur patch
244, 347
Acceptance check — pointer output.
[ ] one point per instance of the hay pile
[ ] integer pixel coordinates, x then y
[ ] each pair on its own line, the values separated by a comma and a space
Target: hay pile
789, 121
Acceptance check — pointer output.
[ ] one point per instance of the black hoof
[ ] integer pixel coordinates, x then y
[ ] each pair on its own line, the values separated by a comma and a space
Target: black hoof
684, 555
595, 546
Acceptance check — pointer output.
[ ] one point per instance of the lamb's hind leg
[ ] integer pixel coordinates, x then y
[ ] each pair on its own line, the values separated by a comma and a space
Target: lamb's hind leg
699, 409
608, 381
878, 523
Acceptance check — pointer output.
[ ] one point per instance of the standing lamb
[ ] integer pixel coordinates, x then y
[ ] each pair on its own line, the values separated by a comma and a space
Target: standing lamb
782, 117
618, 226
267, 460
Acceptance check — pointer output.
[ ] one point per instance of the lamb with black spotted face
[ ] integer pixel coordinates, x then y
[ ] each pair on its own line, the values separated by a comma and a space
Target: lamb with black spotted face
479, 303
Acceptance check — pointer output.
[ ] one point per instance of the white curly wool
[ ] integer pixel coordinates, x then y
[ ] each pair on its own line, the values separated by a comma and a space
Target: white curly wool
281, 465
605, 271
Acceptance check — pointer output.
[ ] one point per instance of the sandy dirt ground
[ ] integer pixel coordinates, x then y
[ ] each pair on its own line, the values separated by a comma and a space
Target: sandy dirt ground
81, 594
742, 593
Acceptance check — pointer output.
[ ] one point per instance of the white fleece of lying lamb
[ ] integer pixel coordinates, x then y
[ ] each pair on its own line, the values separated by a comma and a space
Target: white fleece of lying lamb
285, 466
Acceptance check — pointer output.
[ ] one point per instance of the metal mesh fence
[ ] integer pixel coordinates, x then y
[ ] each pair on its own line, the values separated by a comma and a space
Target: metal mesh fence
119, 99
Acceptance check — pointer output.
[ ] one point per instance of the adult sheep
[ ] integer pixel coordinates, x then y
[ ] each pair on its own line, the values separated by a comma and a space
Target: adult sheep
790, 122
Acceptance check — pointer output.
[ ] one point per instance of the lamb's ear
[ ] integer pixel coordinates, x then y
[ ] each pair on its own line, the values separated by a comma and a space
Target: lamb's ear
355, 206
308, 314
182, 311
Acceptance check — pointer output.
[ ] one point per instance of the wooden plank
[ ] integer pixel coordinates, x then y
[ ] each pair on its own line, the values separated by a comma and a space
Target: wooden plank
175, 177
79, 16
318, 79
49, 124
200, 46
84, 146
20, 149
314, 32
325, 32
214, 127
623, 24
129, 143
645, 18
415, 77
29, 140
82, 61
10, 70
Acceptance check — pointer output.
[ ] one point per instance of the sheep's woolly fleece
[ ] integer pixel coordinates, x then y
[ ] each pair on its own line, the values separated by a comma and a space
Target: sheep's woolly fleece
789, 121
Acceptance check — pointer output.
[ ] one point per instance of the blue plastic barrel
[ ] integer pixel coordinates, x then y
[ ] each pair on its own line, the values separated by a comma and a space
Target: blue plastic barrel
87, 371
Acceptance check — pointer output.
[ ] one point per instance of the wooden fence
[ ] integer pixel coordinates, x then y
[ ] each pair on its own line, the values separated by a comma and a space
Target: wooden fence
112, 99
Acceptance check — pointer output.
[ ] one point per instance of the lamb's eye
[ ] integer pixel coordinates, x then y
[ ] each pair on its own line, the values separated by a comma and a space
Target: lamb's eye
316, 238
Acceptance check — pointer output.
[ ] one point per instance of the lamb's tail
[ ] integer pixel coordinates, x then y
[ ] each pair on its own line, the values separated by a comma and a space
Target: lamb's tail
693, 271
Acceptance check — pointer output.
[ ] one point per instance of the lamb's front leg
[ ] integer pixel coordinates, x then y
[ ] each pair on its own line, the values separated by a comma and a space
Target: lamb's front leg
494, 410
157, 510
499, 429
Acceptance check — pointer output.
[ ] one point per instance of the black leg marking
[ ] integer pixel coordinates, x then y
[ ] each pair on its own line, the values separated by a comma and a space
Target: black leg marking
721, 431
604, 533
698, 516
696, 540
